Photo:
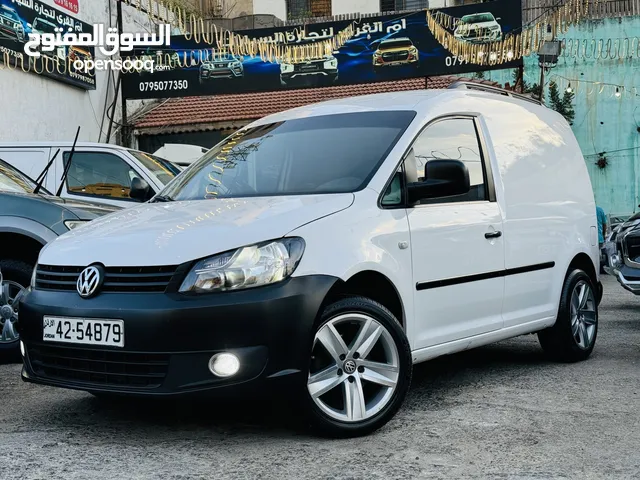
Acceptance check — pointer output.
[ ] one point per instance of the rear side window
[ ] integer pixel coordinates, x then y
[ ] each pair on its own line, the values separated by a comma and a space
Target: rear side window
98, 174
453, 139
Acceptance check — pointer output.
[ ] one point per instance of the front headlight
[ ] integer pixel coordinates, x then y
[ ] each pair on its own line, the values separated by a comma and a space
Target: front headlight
286, 67
331, 64
71, 224
246, 267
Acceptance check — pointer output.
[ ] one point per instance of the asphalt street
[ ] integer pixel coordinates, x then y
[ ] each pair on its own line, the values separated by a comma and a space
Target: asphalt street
502, 411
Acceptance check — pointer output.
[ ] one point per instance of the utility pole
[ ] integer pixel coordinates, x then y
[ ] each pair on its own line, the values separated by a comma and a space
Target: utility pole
124, 129
542, 67
548, 55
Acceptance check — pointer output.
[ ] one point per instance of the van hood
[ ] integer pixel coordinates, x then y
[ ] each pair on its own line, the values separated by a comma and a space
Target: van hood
84, 210
172, 233
472, 26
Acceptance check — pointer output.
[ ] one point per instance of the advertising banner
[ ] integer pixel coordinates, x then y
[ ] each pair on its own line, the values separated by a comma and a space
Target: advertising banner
19, 18
338, 53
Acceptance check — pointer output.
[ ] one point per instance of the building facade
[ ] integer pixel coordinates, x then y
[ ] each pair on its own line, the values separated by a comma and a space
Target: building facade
39, 108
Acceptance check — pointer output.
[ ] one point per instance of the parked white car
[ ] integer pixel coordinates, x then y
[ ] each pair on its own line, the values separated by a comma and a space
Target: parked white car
99, 172
180, 154
479, 28
333, 268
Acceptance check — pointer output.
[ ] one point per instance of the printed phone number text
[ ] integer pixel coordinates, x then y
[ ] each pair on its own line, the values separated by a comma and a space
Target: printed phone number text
164, 85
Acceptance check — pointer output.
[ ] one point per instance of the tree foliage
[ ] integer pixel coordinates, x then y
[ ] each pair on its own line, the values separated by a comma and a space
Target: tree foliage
563, 105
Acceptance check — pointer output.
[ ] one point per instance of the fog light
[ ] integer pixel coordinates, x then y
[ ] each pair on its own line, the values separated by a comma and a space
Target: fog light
224, 364
22, 350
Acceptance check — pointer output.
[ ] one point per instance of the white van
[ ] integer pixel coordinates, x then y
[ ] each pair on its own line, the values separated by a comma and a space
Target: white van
99, 172
428, 222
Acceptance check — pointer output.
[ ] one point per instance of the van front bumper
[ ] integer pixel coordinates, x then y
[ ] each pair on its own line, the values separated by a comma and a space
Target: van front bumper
170, 338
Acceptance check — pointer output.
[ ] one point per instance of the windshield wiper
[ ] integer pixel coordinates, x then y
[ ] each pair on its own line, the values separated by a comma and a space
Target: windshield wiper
41, 177
68, 165
161, 199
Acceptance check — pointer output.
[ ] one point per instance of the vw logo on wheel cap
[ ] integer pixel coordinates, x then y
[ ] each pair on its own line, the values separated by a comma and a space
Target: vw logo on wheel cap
350, 366
89, 281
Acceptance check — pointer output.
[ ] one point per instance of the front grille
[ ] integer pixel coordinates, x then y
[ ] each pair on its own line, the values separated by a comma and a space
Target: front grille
395, 56
311, 67
633, 246
478, 33
116, 279
99, 367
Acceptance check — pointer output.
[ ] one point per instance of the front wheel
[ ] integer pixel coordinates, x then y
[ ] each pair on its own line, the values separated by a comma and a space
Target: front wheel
15, 276
360, 368
573, 336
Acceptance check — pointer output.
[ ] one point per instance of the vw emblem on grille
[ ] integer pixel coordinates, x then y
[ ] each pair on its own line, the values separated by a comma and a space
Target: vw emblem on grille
89, 281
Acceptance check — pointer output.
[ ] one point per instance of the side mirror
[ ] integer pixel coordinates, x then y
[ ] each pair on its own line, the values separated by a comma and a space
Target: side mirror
443, 178
140, 190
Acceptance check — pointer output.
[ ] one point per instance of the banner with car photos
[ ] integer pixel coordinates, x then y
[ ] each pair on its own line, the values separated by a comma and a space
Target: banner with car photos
19, 18
381, 48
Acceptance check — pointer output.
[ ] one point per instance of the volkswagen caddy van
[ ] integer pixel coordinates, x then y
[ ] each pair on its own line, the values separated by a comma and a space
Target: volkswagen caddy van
330, 247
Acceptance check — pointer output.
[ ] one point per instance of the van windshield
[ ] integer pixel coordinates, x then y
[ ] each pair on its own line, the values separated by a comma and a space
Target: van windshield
478, 18
324, 154
44, 26
162, 169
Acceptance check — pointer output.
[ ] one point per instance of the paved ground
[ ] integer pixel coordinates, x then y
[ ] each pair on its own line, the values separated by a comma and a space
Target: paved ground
497, 412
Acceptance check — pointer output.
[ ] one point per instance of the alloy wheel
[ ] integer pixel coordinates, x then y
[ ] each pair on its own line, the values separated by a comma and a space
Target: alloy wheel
584, 317
10, 295
354, 368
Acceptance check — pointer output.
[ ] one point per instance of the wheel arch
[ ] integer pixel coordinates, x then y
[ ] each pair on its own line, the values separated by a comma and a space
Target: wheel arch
373, 285
584, 263
21, 245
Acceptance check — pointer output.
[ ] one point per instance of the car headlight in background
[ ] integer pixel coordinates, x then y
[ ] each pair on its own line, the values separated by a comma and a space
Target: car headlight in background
247, 267
236, 64
331, 64
286, 67
72, 224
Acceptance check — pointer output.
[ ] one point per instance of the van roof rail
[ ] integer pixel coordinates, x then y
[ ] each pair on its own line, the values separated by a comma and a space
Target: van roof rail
490, 88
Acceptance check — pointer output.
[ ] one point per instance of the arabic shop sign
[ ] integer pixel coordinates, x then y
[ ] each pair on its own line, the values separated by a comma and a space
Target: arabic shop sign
391, 47
21, 18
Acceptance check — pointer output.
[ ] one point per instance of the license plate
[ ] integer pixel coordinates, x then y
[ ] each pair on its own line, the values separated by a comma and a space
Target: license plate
85, 331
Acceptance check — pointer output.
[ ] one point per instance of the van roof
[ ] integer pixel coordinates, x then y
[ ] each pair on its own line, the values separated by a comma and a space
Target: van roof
54, 144
418, 100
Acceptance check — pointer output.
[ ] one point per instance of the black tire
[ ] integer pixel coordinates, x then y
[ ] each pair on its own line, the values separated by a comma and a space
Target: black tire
558, 341
324, 424
20, 272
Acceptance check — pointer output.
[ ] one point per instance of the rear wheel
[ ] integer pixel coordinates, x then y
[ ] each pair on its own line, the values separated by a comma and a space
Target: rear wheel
15, 276
573, 336
360, 368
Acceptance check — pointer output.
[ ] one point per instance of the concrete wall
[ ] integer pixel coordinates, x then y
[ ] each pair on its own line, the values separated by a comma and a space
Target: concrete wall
238, 8
340, 7
271, 7
603, 122
37, 108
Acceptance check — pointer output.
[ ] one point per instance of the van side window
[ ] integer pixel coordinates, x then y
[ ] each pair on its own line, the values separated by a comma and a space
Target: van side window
454, 139
99, 174
393, 195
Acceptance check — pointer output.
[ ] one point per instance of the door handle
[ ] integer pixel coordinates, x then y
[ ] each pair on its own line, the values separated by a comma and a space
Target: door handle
495, 234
